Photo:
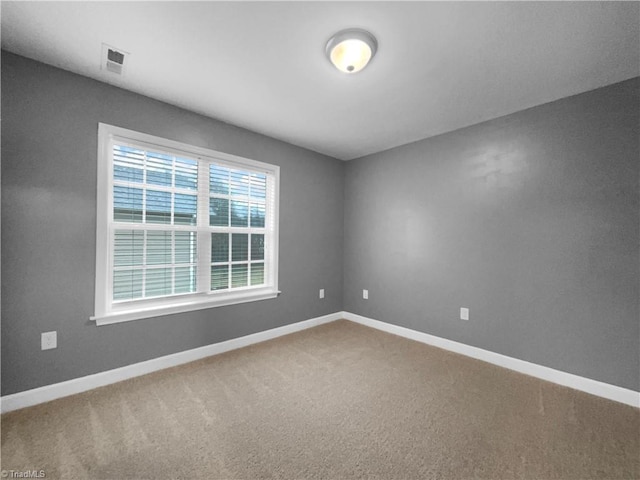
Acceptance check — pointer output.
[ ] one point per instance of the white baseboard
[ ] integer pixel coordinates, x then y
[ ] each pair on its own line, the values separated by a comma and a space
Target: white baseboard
594, 387
82, 384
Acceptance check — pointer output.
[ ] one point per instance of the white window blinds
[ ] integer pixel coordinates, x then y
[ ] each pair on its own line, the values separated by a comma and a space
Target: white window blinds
181, 226
154, 224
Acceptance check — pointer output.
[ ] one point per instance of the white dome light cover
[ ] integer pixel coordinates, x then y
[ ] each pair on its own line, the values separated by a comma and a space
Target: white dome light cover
351, 50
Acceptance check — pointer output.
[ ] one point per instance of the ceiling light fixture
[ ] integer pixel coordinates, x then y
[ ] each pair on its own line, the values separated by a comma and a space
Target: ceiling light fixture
351, 50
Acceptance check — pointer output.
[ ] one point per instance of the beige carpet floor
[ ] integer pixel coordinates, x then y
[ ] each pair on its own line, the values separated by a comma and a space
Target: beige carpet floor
337, 401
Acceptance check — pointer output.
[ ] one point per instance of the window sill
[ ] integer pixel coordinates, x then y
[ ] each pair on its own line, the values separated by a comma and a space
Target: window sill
189, 305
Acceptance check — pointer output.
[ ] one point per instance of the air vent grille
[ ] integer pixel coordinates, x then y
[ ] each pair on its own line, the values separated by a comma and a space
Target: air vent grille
113, 59
115, 56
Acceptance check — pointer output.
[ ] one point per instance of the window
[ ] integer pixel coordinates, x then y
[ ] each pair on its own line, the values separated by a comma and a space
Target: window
180, 228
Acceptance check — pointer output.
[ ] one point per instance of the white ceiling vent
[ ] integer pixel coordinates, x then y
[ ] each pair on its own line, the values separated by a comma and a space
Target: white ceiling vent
113, 59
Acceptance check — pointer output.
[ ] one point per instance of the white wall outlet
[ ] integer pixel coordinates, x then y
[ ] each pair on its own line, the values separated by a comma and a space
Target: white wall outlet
49, 340
365, 294
464, 313
321, 293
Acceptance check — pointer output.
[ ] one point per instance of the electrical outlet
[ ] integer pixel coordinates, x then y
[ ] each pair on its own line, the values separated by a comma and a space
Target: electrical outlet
365, 294
49, 340
464, 313
322, 293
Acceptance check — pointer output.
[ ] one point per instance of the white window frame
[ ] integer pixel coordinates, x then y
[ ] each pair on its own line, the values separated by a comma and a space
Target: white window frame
107, 311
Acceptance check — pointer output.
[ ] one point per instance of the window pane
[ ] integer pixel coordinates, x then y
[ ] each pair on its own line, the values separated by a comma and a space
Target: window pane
239, 247
158, 206
259, 186
257, 247
128, 164
158, 282
239, 184
239, 214
158, 248
219, 247
239, 275
257, 273
127, 248
186, 247
127, 284
257, 215
184, 210
159, 169
219, 212
218, 179
127, 204
186, 173
219, 277
185, 280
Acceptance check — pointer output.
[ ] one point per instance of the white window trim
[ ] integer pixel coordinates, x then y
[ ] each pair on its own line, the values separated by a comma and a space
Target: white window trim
107, 312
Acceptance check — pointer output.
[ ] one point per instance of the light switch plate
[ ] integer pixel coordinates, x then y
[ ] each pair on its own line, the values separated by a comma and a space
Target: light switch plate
365, 294
464, 313
322, 293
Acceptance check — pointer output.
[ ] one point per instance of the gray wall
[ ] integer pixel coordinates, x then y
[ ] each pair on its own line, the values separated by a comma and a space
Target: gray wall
530, 220
49, 142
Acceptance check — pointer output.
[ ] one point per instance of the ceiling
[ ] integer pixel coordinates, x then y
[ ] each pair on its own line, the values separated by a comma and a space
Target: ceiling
440, 66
